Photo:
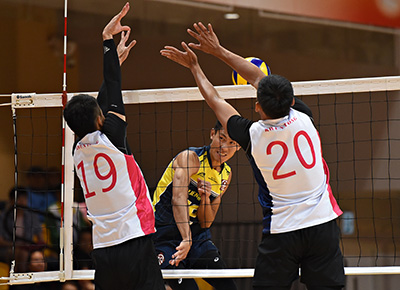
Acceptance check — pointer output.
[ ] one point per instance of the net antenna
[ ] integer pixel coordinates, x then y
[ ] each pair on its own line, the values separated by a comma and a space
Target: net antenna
64, 102
66, 239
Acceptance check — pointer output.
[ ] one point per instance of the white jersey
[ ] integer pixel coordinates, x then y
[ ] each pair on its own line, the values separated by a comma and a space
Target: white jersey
288, 157
116, 194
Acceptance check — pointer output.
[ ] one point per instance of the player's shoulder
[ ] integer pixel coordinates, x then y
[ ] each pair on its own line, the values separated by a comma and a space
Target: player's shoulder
199, 150
237, 120
226, 168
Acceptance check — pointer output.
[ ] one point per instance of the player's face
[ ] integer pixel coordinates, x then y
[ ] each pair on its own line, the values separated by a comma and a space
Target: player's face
222, 147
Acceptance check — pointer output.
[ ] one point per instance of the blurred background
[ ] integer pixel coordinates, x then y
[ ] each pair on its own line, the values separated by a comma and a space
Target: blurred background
303, 40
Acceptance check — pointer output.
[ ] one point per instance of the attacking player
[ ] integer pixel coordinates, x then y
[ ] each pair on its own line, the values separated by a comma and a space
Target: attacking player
186, 202
284, 150
116, 194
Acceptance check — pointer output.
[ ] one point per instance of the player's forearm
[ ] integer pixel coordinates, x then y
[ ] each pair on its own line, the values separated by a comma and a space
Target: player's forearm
247, 70
102, 98
112, 77
221, 108
181, 216
207, 90
206, 213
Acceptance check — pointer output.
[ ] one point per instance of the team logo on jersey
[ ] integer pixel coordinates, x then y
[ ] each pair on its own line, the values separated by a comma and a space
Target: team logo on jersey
224, 184
161, 258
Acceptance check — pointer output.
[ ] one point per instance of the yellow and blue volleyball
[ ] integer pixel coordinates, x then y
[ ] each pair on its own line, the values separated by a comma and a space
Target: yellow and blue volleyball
237, 78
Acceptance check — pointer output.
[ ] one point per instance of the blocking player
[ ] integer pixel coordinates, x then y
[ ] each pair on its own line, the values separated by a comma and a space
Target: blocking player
186, 202
116, 194
284, 150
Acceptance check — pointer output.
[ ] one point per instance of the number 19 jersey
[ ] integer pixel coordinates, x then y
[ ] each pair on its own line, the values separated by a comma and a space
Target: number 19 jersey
116, 194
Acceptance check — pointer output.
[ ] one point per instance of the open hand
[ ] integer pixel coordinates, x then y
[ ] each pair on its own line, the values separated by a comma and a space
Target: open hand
182, 251
186, 58
208, 40
122, 48
114, 26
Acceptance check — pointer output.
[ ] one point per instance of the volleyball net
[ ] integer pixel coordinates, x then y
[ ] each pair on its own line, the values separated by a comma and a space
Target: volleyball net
358, 121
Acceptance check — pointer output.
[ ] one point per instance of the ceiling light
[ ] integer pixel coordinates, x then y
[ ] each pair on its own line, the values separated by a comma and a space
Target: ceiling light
231, 16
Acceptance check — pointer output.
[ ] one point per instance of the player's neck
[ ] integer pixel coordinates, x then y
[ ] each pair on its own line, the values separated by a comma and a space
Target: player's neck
216, 165
218, 168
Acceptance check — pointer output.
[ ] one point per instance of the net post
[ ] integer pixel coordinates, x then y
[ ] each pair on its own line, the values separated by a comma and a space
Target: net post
68, 204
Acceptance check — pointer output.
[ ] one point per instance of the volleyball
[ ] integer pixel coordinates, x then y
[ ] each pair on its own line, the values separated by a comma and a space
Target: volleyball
237, 78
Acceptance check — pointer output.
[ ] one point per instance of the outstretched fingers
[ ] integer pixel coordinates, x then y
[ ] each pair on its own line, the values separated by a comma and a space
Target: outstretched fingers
123, 49
121, 15
171, 53
114, 26
207, 40
123, 11
124, 39
210, 29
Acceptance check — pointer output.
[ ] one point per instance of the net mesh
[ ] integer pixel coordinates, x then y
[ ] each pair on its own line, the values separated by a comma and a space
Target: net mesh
358, 123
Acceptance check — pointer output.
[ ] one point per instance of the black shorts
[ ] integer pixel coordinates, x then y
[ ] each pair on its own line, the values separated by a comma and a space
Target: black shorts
130, 265
166, 241
315, 250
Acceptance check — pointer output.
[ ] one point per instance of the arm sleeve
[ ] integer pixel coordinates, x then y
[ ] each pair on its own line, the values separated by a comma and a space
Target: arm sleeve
238, 129
110, 98
102, 98
110, 95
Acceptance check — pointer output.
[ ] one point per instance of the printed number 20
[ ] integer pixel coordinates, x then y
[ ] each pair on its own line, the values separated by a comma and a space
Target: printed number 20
285, 149
111, 173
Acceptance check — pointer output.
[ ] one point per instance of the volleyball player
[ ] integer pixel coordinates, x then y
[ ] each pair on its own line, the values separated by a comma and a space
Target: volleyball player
186, 202
284, 150
117, 197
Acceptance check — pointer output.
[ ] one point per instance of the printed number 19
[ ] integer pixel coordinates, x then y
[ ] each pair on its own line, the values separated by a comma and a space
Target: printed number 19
285, 149
111, 173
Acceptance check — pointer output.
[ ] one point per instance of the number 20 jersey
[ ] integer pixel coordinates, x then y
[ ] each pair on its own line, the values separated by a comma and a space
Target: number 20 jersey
293, 178
116, 194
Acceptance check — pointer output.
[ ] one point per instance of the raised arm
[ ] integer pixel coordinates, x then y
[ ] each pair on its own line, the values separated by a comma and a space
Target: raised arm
185, 165
209, 43
110, 96
123, 53
187, 58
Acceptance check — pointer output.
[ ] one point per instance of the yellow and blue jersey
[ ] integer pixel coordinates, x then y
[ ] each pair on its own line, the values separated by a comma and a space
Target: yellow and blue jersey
162, 198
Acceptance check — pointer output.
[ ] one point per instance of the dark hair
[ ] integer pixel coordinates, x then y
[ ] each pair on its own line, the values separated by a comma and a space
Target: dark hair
275, 96
35, 170
81, 113
217, 126
21, 192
